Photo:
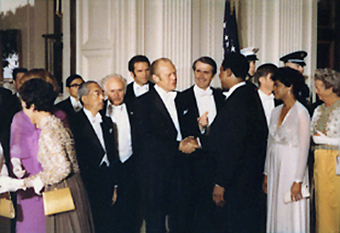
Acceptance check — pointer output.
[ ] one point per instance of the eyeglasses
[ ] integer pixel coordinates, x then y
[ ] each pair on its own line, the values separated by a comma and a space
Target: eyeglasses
75, 85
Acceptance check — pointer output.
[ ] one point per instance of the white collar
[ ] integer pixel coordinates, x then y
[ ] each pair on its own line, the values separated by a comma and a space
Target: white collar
139, 90
114, 107
265, 96
93, 119
74, 102
200, 92
233, 88
165, 95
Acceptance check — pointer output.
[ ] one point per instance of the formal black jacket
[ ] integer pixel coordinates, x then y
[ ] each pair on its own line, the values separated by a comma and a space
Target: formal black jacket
9, 105
132, 120
130, 95
188, 110
157, 135
67, 107
90, 153
237, 138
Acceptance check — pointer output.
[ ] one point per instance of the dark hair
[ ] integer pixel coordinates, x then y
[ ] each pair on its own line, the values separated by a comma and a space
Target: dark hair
135, 59
206, 60
72, 77
38, 92
263, 71
237, 63
17, 71
290, 77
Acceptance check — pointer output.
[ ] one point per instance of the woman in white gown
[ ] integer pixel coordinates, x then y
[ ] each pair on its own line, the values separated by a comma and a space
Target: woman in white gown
287, 153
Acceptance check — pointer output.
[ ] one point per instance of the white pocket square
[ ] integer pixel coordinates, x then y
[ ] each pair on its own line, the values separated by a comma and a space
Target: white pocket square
185, 111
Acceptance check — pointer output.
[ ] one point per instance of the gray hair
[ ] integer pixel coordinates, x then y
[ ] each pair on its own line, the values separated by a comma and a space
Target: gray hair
330, 78
106, 78
83, 90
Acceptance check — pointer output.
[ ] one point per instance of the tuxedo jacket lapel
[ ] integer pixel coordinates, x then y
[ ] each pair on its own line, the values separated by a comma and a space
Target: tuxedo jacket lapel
89, 132
193, 103
108, 131
161, 108
219, 99
70, 106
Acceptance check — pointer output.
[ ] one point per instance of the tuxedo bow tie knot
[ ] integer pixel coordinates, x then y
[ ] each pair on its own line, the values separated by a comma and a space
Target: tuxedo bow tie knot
117, 108
142, 88
203, 93
77, 108
170, 96
97, 119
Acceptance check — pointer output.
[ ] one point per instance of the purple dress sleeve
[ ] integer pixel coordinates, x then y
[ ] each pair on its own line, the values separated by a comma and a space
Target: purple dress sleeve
24, 142
24, 145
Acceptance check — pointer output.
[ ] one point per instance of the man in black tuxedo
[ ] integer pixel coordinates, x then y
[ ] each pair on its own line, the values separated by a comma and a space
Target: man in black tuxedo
127, 207
139, 68
200, 99
237, 138
71, 105
7, 110
263, 77
97, 154
159, 140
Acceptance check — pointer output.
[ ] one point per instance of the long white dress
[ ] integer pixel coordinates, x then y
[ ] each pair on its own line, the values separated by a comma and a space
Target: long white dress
286, 163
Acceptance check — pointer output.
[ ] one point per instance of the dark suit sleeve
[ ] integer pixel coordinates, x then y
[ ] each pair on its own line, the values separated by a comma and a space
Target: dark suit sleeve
154, 136
237, 139
230, 144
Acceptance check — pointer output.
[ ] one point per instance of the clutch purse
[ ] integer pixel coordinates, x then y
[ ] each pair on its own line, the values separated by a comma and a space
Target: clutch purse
6, 206
304, 191
58, 201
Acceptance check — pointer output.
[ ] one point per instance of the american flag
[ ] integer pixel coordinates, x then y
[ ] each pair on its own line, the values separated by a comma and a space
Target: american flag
230, 35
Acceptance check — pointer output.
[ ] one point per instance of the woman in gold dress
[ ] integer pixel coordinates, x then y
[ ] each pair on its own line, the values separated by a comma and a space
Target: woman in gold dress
56, 154
326, 136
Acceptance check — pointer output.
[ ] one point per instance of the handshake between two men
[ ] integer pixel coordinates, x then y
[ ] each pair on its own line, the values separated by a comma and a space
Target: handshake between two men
190, 144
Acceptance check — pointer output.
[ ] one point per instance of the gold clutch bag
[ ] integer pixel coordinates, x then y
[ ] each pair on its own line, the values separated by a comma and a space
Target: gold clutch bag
6, 206
58, 201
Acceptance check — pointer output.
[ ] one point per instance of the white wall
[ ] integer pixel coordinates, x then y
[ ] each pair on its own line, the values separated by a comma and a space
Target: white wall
33, 18
110, 32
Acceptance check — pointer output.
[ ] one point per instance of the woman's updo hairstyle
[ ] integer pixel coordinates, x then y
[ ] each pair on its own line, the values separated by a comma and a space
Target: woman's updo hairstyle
290, 77
39, 93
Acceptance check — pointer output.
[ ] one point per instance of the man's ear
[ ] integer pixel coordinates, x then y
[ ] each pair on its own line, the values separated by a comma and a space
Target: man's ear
84, 99
155, 78
262, 79
229, 72
68, 90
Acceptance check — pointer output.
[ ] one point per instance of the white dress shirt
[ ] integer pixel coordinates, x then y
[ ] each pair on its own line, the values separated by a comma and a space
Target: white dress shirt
267, 103
205, 102
95, 122
232, 89
120, 117
140, 90
168, 99
76, 104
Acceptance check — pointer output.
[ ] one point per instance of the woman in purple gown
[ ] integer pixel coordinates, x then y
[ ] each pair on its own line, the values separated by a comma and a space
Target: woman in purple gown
23, 150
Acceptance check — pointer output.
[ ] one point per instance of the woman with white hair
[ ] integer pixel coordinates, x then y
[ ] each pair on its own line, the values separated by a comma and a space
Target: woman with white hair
326, 136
